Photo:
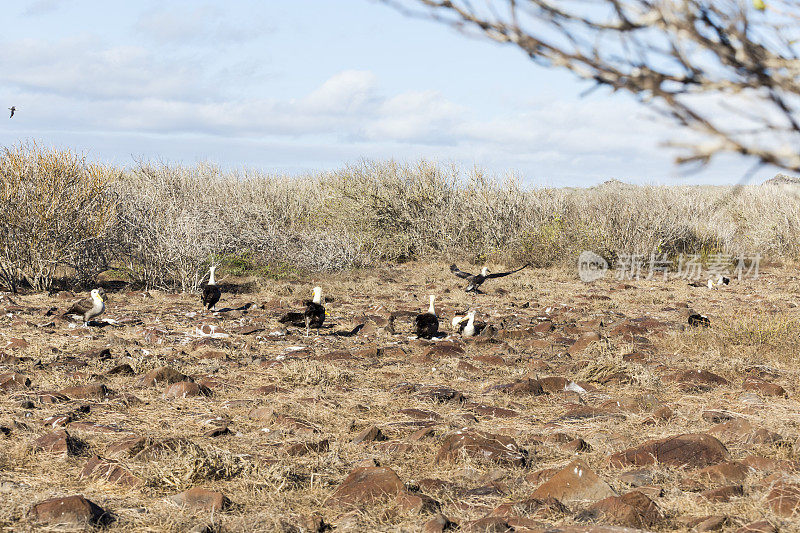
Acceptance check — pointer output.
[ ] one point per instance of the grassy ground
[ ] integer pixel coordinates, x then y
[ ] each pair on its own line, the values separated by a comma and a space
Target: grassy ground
754, 331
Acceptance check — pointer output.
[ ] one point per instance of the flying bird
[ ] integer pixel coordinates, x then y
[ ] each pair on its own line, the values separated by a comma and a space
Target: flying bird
475, 281
90, 307
12, 109
211, 291
426, 325
313, 316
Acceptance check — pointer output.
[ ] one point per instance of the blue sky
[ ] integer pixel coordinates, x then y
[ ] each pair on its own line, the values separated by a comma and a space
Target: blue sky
310, 85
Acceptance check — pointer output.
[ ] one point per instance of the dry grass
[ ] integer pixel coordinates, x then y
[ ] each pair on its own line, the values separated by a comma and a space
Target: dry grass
174, 221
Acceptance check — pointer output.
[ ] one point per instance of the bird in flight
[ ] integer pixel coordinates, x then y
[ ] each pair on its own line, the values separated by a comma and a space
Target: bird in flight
12, 108
475, 281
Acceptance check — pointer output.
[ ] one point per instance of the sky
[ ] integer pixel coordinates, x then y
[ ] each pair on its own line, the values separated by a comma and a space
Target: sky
306, 85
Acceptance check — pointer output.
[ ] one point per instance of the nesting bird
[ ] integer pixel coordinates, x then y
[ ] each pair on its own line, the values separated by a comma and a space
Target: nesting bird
313, 316
476, 280
211, 291
467, 325
90, 307
426, 325
698, 320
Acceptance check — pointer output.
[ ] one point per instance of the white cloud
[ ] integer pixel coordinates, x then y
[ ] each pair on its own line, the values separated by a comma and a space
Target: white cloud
82, 68
192, 24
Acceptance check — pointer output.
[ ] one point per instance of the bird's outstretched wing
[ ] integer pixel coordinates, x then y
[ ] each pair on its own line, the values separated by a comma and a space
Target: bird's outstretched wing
454, 269
501, 274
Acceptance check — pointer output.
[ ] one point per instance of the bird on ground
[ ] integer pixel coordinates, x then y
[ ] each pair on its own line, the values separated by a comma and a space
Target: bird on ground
211, 291
312, 317
426, 325
722, 280
12, 109
475, 281
698, 320
468, 326
90, 307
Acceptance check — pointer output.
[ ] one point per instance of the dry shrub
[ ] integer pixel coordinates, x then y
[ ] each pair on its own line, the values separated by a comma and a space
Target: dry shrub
191, 464
175, 221
55, 209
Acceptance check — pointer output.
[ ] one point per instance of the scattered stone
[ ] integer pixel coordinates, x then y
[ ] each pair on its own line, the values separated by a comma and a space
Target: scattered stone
413, 503
109, 471
761, 526
72, 510
370, 434
784, 499
201, 499
764, 387
366, 485
694, 450
186, 389
574, 483
162, 376
632, 509
483, 446
438, 524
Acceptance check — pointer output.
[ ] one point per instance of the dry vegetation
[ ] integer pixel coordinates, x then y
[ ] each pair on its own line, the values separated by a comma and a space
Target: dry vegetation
335, 387
162, 225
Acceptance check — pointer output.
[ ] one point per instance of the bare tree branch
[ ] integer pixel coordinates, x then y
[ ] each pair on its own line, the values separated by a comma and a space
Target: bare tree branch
726, 70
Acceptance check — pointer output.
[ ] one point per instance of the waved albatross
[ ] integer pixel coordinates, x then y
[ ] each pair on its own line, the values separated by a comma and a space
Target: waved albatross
90, 307
426, 325
313, 316
211, 291
468, 326
475, 281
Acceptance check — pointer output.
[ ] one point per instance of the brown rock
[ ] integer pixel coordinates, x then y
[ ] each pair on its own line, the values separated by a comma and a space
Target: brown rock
305, 448
483, 446
437, 524
109, 471
730, 472
366, 485
574, 483
698, 380
761, 526
489, 524
201, 499
784, 499
162, 376
128, 446
413, 503
632, 509
723, 494
690, 450
186, 389
57, 442
70, 510
370, 434
532, 508
764, 388
741, 430
13, 381
95, 391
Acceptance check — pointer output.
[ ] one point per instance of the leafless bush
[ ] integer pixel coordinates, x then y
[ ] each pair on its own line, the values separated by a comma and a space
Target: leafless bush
54, 210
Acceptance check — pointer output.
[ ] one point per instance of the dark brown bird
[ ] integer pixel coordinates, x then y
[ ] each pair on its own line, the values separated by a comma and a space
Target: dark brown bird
313, 316
90, 307
211, 291
12, 108
426, 325
475, 280
698, 320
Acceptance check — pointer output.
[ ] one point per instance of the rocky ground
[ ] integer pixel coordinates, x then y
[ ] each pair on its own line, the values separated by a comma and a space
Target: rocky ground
582, 408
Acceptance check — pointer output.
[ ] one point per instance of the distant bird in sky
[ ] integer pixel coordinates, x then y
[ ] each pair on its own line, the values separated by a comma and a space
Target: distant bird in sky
12, 108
